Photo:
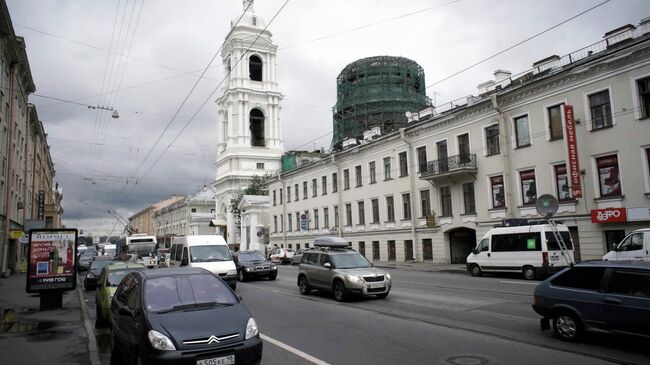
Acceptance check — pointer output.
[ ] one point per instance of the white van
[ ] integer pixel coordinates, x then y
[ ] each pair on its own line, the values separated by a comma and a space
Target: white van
530, 249
634, 247
109, 250
207, 251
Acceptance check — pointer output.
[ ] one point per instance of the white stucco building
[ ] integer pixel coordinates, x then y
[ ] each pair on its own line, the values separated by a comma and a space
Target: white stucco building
430, 190
254, 221
189, 216
250, 137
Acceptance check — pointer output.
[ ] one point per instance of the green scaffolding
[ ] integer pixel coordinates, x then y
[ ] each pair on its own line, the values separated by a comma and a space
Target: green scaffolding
377, 92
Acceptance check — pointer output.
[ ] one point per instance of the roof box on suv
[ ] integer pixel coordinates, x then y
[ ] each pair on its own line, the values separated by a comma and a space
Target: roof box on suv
331, 242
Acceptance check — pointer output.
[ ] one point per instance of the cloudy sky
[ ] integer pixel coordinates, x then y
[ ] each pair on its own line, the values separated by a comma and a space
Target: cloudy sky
142, 58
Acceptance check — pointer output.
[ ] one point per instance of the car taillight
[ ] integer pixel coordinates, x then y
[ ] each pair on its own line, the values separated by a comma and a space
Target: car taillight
544, 258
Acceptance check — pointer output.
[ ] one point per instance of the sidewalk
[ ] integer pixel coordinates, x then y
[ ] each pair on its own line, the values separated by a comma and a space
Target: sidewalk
423, 266
31, 336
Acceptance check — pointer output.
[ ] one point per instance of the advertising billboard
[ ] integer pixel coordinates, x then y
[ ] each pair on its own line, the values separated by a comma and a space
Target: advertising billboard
52, 260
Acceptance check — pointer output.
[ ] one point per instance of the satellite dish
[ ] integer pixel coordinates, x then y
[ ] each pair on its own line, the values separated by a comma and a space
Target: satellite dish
547, 205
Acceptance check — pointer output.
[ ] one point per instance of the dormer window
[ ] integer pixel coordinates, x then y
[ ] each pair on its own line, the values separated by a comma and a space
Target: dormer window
255, 68
254, 21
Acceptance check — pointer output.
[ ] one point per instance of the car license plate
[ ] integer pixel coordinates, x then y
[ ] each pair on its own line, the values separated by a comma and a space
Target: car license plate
223, 360
555, 258
375, 285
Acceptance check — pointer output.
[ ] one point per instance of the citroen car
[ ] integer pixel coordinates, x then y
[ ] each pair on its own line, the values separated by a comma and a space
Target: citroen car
181, 316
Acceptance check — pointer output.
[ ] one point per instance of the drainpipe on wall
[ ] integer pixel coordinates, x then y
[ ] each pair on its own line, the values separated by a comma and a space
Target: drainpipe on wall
10, 179
504, 149
402, 136
339, 193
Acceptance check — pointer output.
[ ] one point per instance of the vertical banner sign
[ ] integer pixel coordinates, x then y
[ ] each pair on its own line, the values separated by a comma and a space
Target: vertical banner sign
572, 152
41, 204
51, 265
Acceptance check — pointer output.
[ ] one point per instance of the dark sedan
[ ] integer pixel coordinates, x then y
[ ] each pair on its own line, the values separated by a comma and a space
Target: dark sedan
598, 296
251, 264
181, 316
90, 282
85, 259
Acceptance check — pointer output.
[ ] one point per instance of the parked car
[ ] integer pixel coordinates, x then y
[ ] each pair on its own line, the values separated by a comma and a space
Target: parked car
295, 259
251, 264
210, 252
85, 259
282, 255
531, 250
599, 296
634, 247
185, 315
91, 279
333, 266
109, 279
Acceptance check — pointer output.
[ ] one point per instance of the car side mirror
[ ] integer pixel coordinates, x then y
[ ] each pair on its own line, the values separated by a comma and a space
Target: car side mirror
327, 265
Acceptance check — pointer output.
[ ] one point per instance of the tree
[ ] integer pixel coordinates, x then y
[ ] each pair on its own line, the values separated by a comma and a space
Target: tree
259, 186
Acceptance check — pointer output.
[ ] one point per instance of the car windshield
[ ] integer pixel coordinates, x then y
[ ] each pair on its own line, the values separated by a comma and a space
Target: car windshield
99, 264
210, 253
251, 256
116, 276
183, 291
350, 261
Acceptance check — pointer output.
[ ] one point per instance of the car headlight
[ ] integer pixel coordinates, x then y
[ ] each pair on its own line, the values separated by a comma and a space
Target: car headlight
273, 267
353, 278
387, 276
251, 328
232, 272
248, 269
160, 341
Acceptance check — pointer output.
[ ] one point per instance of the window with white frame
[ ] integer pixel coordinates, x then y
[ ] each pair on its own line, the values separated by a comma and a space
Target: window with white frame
314, 187
297, 192
528, 187
298, 227
555, 122
643, 86
373, 172
522, 131
375, 210
288, 194
346, 179
324, 185
335, 182
469, 200
386, 168
425, 203
608, 176
406, 205
362, 212
562, 182
390, 209
403, 165
445, 201
498, 192
316, 218
304, 190
274, 197
601, 110
336, 215
275, 224
358, 176
348, 214
326, 217
492, 140
422, 159
289, 223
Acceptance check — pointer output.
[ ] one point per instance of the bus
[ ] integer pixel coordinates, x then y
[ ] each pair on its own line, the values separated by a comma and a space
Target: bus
142, 249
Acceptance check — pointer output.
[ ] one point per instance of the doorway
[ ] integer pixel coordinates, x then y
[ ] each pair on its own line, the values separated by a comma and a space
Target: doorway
461, 243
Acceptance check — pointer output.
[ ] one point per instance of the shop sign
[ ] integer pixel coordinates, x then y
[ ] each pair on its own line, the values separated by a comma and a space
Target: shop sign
609, 215
572, 152
638, 214
52, 265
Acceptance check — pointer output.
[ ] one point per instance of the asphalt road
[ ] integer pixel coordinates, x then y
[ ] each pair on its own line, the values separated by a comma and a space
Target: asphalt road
428, 318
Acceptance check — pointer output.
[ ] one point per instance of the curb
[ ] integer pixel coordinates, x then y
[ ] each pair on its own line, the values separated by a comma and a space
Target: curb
93, 352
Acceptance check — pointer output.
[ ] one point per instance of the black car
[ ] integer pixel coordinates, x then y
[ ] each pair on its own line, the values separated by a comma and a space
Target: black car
598, 296
251, 264
181, 316
90, 282
85, 259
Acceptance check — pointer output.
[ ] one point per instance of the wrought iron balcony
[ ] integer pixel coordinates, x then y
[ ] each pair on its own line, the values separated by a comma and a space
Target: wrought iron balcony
451, 169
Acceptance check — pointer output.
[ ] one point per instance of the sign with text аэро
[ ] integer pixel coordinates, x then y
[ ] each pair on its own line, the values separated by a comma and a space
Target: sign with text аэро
52, 264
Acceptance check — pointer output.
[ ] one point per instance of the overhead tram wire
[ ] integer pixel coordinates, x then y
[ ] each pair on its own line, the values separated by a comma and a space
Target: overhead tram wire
185, 100
215, 90
518, 44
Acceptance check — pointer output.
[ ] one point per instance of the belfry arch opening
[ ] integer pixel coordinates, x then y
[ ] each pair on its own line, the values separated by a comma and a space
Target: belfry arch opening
257, 128
255, 68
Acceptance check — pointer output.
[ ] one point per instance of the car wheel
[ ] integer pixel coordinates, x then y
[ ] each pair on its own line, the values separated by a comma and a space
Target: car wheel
529, 273
475, 270
273, 276
382, 296
339, 291
242, 275
303, 285
567, 326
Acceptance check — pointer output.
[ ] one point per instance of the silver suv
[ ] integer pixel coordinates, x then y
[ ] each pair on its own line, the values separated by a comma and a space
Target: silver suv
336, 267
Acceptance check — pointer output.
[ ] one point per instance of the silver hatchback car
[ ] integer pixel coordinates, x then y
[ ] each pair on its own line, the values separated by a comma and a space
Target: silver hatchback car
333, 266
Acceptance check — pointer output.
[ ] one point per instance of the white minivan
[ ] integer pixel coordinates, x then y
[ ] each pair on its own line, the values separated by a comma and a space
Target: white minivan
529, 249
210, 252
634, 247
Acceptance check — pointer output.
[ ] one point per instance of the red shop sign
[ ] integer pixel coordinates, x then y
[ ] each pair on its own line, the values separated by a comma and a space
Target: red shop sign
572, 152
609, 215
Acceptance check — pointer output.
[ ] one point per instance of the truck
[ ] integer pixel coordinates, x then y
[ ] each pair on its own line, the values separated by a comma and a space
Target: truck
634, 247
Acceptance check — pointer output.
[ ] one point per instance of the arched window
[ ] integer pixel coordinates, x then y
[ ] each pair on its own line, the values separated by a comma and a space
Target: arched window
255, 68
257, 128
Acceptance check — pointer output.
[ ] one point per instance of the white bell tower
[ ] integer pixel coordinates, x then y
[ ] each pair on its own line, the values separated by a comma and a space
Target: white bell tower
249, 139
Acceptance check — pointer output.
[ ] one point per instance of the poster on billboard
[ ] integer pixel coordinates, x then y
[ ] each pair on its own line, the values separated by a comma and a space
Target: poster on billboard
52, 264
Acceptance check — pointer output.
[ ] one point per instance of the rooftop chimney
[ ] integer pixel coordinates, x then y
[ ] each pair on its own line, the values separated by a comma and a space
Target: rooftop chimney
545, 64
485, 86
619, 34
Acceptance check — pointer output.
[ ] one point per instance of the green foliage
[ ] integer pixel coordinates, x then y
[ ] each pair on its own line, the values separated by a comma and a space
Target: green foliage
259, 186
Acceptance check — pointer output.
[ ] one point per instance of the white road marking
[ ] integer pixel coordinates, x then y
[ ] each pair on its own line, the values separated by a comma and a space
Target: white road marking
293, 350
517, 282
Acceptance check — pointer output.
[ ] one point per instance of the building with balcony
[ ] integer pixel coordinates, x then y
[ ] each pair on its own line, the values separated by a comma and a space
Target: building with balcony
575, 126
